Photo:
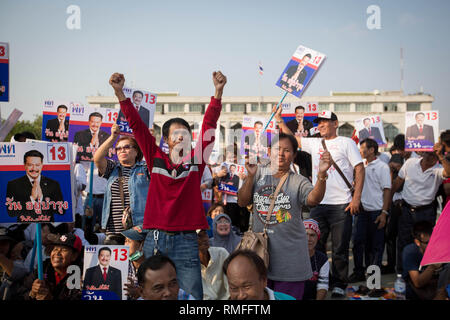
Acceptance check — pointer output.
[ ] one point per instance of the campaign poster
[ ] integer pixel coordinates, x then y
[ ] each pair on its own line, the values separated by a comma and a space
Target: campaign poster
299, 117
144, 102
230, 183
207, 195
371, 127
422, 130
55, 120
4, 71
300, 70
89, 128
253, 140
37, 184
105, 272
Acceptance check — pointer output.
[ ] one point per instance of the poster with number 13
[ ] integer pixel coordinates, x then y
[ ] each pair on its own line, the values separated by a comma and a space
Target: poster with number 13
422, 130
37, 184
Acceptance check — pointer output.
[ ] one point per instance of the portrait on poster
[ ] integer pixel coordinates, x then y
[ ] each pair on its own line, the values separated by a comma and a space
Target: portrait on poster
422, 129
105, 272
253, 141
145, 104
300, 70
37, 182
299, 117
89, 128
371, 127
55, 120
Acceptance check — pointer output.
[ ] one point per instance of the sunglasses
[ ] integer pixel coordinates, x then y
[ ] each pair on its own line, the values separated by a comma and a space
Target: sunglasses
124, 148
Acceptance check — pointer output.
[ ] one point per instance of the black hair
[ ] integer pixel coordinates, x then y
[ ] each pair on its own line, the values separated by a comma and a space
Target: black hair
29, 135
95, 114
102, 249
257, 122
422, 228
214, 206
137, 91
307, 55
291, 139
139, 154
299, 107
250, 255
370, 143
399, 141
32, 153
233, 165
155, 262
415, 116
445, 137
61, 106
366, 119
168, 123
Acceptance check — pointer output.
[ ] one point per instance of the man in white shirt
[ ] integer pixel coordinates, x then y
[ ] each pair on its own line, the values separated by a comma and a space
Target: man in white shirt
334, 213
422, 178
371, 221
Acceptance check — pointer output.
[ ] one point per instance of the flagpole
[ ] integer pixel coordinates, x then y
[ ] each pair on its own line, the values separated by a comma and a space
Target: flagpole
273, 113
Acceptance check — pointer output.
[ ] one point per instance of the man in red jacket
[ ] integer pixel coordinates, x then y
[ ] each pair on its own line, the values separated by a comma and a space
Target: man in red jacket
174, 208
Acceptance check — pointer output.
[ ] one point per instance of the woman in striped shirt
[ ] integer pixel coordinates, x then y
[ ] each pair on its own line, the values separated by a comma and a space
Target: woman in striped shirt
135, 181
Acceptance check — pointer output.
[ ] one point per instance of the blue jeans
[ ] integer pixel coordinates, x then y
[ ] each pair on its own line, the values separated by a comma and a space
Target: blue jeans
405, 226
368, 238
182, 249
335, 220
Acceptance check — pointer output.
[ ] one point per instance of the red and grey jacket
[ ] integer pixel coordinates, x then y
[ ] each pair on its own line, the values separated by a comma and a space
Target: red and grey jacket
174, 203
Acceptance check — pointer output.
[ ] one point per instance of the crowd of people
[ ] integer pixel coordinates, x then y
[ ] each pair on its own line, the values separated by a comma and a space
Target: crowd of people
310, 192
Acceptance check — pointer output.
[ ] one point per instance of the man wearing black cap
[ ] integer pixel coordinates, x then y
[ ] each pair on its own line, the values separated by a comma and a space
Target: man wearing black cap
64, 251
342, 196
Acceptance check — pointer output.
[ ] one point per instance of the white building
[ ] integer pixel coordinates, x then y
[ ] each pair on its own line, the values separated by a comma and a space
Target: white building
348, 107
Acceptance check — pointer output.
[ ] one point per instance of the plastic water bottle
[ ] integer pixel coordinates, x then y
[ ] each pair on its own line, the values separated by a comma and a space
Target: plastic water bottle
400, 288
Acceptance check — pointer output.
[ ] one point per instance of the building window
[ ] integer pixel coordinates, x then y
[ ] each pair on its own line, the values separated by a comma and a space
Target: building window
390, 107
413, 107
255, 107
390, 131
237, 107
363, 107
176, 107
159, 107
346, 130
342, 107
324, 106
108, 105
195, 107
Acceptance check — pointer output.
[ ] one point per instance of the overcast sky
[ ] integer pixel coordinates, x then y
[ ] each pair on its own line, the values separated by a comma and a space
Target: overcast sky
175, 46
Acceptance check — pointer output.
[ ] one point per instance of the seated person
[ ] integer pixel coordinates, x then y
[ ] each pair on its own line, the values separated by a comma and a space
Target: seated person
316, 288
157, 279
64, 251
223, 234
247, 277
214, 282
420, 285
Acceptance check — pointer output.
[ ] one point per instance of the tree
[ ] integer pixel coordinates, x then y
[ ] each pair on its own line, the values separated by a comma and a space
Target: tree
34, 127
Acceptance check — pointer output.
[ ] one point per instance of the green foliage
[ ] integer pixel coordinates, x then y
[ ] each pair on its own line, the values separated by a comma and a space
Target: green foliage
34, 127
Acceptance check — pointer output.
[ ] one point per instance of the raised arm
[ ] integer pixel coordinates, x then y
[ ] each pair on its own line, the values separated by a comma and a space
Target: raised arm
211, 117
245, 192
102, 151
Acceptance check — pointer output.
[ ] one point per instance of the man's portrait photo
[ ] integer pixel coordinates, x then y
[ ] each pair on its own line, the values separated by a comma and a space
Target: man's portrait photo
90, 139
293, 79
255, 141
103, 276
57, 129
371, 132
144, 113
419, 130
32, 191
300, 126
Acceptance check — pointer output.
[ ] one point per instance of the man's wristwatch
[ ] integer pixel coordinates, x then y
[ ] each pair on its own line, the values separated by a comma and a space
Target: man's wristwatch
322, 179
385, 212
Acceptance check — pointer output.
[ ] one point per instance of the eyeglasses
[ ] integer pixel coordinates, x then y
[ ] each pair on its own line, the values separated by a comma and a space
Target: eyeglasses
124, 148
